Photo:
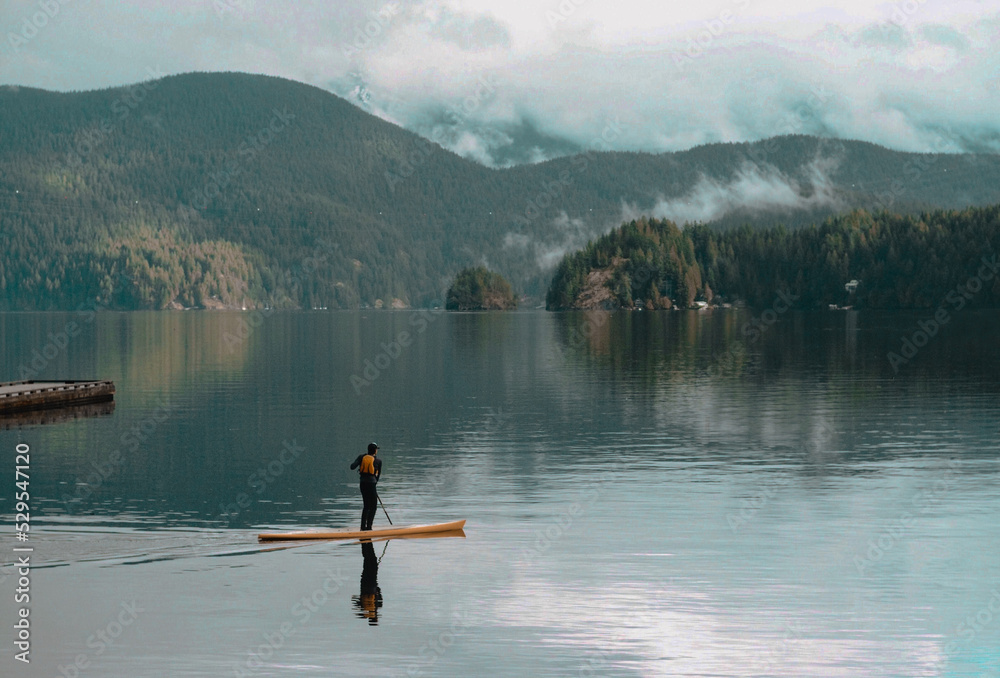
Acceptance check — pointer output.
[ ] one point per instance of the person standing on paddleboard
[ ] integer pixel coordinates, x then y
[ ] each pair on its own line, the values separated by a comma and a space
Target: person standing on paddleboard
370, 468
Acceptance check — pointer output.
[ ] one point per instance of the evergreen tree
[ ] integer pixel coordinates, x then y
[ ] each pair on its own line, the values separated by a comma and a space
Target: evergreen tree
478, 289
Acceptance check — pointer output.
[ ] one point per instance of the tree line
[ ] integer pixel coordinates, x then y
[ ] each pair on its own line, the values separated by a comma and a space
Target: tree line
862, 259
234, 189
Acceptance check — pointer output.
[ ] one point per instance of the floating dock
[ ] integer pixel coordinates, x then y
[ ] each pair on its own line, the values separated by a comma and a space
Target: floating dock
18, 396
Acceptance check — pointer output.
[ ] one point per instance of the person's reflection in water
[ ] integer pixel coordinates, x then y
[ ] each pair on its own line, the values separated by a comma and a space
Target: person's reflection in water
370, 599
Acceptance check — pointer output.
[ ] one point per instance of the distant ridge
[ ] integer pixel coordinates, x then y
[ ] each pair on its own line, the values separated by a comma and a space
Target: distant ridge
236, 190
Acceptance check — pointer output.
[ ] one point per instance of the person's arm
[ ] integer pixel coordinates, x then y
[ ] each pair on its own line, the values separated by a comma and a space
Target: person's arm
378, 468
357, 462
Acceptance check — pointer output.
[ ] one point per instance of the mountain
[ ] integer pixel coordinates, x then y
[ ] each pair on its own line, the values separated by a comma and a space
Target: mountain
228, 189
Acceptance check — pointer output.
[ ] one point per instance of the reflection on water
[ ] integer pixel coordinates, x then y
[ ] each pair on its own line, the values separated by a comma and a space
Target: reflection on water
370, 599
737, 343
55, 415
648, 494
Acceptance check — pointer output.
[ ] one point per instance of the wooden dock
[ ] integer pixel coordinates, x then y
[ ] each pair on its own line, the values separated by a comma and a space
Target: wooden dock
18, 396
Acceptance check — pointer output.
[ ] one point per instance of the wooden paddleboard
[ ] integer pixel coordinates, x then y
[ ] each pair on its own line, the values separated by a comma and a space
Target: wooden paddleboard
364, 534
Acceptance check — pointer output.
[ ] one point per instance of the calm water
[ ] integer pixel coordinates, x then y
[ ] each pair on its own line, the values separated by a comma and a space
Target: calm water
670, 494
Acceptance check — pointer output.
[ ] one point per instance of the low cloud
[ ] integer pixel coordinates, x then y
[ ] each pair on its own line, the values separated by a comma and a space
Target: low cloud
752, 188
565, 234
891, 83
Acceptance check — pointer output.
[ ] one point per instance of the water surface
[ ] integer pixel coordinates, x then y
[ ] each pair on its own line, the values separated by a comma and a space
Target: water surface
647, 494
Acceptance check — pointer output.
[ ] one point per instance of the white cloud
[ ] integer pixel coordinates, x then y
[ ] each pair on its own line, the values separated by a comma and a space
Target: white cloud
676, 74
888, 83
753, 188
564, 234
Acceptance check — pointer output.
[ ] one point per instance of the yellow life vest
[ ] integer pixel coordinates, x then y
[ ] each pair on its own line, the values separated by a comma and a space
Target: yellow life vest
368, 464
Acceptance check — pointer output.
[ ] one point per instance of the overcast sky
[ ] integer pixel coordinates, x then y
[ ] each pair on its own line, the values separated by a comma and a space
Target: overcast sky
483, 77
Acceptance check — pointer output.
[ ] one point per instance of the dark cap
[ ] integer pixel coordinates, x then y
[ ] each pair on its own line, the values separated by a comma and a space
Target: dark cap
372, 447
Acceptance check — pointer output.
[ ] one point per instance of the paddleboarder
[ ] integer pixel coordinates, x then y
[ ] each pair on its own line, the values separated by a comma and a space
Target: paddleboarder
370, 468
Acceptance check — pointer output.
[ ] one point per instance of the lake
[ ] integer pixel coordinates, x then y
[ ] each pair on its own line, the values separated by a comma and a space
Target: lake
713, 493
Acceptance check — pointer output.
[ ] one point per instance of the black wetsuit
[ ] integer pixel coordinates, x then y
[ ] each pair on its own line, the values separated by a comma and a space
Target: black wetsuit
368, 492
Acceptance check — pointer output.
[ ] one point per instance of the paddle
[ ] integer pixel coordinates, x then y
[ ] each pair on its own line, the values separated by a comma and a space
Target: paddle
383, 508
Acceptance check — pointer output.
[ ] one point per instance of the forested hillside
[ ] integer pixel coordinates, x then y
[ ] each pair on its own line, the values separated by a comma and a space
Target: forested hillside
941, 258
237, 190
